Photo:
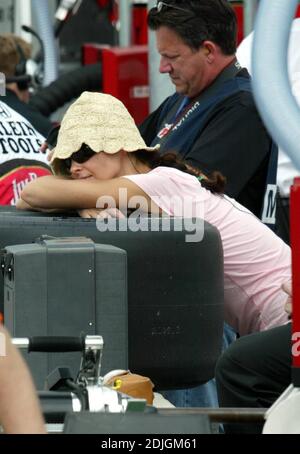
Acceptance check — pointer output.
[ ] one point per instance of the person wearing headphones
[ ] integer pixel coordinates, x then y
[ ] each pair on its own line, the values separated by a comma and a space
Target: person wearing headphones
22, 128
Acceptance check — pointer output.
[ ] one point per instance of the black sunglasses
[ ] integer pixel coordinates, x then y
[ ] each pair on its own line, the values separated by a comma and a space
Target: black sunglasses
159, 7
84, 154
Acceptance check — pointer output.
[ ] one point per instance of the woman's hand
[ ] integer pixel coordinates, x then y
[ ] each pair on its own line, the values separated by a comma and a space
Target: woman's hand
89, 213
111, 213
98, 213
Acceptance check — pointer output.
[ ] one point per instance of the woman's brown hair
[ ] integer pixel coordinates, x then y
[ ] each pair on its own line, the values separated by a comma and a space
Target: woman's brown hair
215, 182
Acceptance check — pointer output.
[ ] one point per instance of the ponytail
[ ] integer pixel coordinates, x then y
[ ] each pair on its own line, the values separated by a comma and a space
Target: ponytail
215, 182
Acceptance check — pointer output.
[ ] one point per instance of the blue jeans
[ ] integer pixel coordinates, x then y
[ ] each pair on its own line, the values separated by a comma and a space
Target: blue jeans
203, 395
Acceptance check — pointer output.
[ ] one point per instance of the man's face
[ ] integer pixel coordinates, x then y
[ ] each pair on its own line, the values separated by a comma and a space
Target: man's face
187, 67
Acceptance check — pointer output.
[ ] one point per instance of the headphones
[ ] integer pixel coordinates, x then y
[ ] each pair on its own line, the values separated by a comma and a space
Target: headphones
20, 77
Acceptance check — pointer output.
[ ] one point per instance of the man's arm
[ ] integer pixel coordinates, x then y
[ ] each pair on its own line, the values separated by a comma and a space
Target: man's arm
19, 407
287, 288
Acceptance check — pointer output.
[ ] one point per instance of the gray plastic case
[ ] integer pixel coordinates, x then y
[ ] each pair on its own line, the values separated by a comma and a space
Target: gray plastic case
64, 287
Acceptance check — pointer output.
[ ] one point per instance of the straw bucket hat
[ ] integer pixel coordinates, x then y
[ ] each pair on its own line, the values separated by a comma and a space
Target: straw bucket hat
100, 121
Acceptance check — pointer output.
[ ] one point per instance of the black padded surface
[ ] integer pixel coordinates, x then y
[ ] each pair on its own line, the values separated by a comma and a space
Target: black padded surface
175, 292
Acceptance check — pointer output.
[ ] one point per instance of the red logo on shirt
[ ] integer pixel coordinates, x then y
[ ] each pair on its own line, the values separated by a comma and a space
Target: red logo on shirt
12, 183
164, 131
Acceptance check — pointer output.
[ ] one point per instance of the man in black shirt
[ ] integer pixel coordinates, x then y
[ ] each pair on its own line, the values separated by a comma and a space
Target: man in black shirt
211, 120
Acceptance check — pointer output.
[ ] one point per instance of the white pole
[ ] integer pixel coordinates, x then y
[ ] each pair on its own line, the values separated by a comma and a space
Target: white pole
250, 8
125, 21
22, 17
272, 89
160, 84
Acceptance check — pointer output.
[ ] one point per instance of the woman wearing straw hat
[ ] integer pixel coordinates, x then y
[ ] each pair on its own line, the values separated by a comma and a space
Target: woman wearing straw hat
101, 154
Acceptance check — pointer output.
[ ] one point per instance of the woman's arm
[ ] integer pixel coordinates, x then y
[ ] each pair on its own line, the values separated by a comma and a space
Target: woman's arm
22, 205
53, 192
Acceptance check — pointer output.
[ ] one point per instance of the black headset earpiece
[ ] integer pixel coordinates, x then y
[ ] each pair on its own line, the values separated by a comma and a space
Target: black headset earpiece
20, 76
21, 66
